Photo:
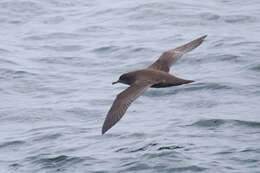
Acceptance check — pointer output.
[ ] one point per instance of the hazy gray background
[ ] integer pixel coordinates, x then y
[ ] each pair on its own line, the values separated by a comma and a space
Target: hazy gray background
59, 58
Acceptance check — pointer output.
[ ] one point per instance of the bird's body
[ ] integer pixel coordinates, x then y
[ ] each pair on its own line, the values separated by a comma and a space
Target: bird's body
158, 79
156, 76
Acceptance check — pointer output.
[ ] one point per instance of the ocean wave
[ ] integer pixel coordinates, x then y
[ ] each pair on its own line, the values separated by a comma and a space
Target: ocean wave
191, 88
137, 149
170, 147
15, 143
221, 122
53, 36
149, 147
64, 48
255, 67
192, 168
47, 137
8, 62
239, 19
105, 49
21, 6
62, 60
55, 162
4, 50
8, 73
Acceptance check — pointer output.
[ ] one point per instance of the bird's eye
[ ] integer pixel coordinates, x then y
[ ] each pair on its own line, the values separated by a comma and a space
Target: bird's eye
121, 78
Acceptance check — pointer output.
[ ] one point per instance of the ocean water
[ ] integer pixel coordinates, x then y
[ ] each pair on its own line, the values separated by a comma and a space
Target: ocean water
59, 58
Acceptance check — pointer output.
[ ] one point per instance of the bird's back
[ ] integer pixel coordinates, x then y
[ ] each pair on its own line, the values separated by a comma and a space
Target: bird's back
158, 78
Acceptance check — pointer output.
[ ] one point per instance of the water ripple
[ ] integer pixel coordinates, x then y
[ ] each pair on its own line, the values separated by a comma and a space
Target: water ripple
239, 19
57, 163
191, 88
187, 168
53, 36
12, 144
15, 74
221, 122
255, 67
148, 147
64, 48
171, 147
106, 49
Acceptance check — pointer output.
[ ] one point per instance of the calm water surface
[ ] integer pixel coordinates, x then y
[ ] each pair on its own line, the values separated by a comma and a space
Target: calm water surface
59, 58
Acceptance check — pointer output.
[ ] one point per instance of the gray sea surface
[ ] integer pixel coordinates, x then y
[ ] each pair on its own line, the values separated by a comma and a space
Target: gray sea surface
59, 58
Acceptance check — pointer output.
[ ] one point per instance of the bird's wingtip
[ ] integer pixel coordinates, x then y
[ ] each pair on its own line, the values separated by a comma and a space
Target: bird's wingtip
204, 36
103, 131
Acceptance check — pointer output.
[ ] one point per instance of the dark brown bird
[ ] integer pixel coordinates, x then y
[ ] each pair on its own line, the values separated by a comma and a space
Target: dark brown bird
156, 76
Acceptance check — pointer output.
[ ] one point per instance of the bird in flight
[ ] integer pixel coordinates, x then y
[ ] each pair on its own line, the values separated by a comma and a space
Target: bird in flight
155, 76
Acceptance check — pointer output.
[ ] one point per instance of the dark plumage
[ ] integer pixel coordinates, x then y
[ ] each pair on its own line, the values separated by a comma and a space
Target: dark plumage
156, 76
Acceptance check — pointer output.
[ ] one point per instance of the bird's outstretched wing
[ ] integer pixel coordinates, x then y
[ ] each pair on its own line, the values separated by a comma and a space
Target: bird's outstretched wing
122, 102
168, 58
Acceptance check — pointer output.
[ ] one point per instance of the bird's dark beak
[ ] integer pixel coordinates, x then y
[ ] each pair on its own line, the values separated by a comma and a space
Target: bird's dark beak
115, 82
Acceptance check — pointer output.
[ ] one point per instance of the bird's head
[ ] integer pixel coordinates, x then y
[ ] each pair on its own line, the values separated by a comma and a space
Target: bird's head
125, 79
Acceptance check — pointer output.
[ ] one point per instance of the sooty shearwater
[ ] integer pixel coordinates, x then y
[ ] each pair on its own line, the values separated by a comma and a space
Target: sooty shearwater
156, 76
